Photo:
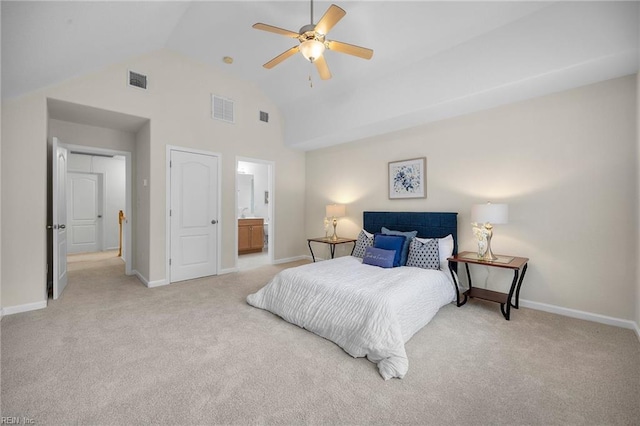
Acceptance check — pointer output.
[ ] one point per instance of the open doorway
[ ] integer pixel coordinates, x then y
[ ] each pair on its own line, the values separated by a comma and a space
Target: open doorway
254, 212
97, 204
98, 144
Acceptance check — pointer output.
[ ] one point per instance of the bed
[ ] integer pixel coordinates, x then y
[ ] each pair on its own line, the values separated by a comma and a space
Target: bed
367, 310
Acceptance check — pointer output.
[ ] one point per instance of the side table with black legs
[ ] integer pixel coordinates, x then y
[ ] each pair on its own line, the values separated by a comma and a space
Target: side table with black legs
332, 243
507, 301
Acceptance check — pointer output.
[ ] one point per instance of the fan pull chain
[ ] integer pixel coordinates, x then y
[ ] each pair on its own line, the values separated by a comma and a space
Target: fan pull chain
310, 82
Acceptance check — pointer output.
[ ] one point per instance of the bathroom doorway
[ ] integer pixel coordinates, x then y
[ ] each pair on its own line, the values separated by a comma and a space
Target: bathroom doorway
254, 212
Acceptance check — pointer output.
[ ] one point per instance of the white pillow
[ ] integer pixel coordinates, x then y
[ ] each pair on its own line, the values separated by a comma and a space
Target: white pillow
445, 249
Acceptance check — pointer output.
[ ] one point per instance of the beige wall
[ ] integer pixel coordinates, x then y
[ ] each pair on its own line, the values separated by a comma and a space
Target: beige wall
0, 210
179, 107
23, 193
93, 136
141, 202
566, 165
637, 260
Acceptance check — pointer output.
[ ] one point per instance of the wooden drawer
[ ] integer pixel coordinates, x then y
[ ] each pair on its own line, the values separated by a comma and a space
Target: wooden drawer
250, 222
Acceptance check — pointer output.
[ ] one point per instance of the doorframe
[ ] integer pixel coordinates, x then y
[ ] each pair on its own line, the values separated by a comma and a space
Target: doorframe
127, 235
271, 173
168, 205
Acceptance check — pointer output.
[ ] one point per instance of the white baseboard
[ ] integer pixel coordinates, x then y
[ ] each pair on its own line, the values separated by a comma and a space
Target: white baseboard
149, 284
157, 283
275, 262
10, 310
574, 313
140, 277
290, 259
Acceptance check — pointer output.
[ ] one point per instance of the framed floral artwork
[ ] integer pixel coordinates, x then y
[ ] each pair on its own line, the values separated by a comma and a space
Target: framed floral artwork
407, 178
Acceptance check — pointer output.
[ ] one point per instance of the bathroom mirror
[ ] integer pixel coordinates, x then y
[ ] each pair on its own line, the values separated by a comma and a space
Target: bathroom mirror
245, 195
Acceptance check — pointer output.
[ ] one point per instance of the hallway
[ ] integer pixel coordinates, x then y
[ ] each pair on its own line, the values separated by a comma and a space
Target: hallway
96, 276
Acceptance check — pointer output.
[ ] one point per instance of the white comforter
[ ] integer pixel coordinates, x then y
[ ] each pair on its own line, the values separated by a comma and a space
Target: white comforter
367, 310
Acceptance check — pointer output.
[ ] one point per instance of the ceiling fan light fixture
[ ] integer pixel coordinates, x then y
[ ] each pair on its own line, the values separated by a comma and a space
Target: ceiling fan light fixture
313, 41
311, 49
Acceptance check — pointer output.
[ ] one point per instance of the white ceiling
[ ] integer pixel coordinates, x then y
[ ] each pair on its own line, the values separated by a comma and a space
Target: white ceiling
432, 60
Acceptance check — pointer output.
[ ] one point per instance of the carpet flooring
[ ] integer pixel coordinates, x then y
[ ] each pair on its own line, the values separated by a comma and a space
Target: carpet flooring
111, 351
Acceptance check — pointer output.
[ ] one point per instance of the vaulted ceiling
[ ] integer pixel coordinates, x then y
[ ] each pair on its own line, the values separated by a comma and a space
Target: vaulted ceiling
432, 59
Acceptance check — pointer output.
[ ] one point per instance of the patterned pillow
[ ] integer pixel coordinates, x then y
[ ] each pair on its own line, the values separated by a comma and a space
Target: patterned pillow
365, 240
424, 254
445, 248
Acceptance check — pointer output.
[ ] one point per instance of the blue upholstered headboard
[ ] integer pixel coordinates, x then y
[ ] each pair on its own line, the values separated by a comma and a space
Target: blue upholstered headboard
428, 224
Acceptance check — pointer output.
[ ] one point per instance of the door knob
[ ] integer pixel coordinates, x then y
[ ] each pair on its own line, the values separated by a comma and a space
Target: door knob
62, 226
213, 222
99, 216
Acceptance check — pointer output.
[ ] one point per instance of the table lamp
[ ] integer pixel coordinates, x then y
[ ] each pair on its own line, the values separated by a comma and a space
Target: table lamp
487, 215
335, 211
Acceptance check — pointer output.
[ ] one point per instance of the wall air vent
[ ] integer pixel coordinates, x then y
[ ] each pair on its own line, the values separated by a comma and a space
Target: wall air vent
264, 116
137, 80
222, 108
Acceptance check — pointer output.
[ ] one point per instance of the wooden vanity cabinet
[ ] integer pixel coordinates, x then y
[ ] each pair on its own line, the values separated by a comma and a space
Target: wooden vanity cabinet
250, 235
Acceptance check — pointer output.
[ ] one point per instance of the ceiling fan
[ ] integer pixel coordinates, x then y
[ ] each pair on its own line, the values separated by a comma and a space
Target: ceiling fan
313, 42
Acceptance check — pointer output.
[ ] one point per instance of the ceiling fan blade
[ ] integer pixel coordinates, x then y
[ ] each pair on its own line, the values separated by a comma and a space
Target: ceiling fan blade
272, 29
350, 49
323, 68
281, 57
329, 19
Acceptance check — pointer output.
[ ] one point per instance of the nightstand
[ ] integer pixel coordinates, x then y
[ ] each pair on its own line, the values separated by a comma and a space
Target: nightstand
517, 264
331, 242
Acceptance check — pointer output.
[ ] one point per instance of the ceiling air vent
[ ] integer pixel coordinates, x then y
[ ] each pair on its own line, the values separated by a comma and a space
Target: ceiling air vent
222, 108
138, 80
264, 116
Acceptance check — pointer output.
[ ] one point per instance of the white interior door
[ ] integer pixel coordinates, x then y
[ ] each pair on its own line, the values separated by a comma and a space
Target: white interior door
84, 212
193, 215
59, 215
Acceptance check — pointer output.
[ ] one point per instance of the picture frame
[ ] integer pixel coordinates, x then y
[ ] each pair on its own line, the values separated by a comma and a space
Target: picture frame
408, 178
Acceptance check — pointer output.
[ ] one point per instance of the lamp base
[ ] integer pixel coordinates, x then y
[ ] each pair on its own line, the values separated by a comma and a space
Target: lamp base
334, 237
488, 254
489, 257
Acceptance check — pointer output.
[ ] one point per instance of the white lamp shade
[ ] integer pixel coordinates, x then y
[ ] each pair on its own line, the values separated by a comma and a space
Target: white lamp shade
494, 214
311, 49
336, 210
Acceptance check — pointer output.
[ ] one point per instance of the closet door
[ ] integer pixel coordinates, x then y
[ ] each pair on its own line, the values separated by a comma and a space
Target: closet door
193, 215
84, 213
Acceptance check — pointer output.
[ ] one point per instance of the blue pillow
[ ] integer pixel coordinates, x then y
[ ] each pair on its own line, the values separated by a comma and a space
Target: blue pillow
390, 242
410, 235
379, 257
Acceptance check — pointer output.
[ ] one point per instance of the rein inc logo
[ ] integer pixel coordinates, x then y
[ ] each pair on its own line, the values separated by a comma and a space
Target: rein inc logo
16, 420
